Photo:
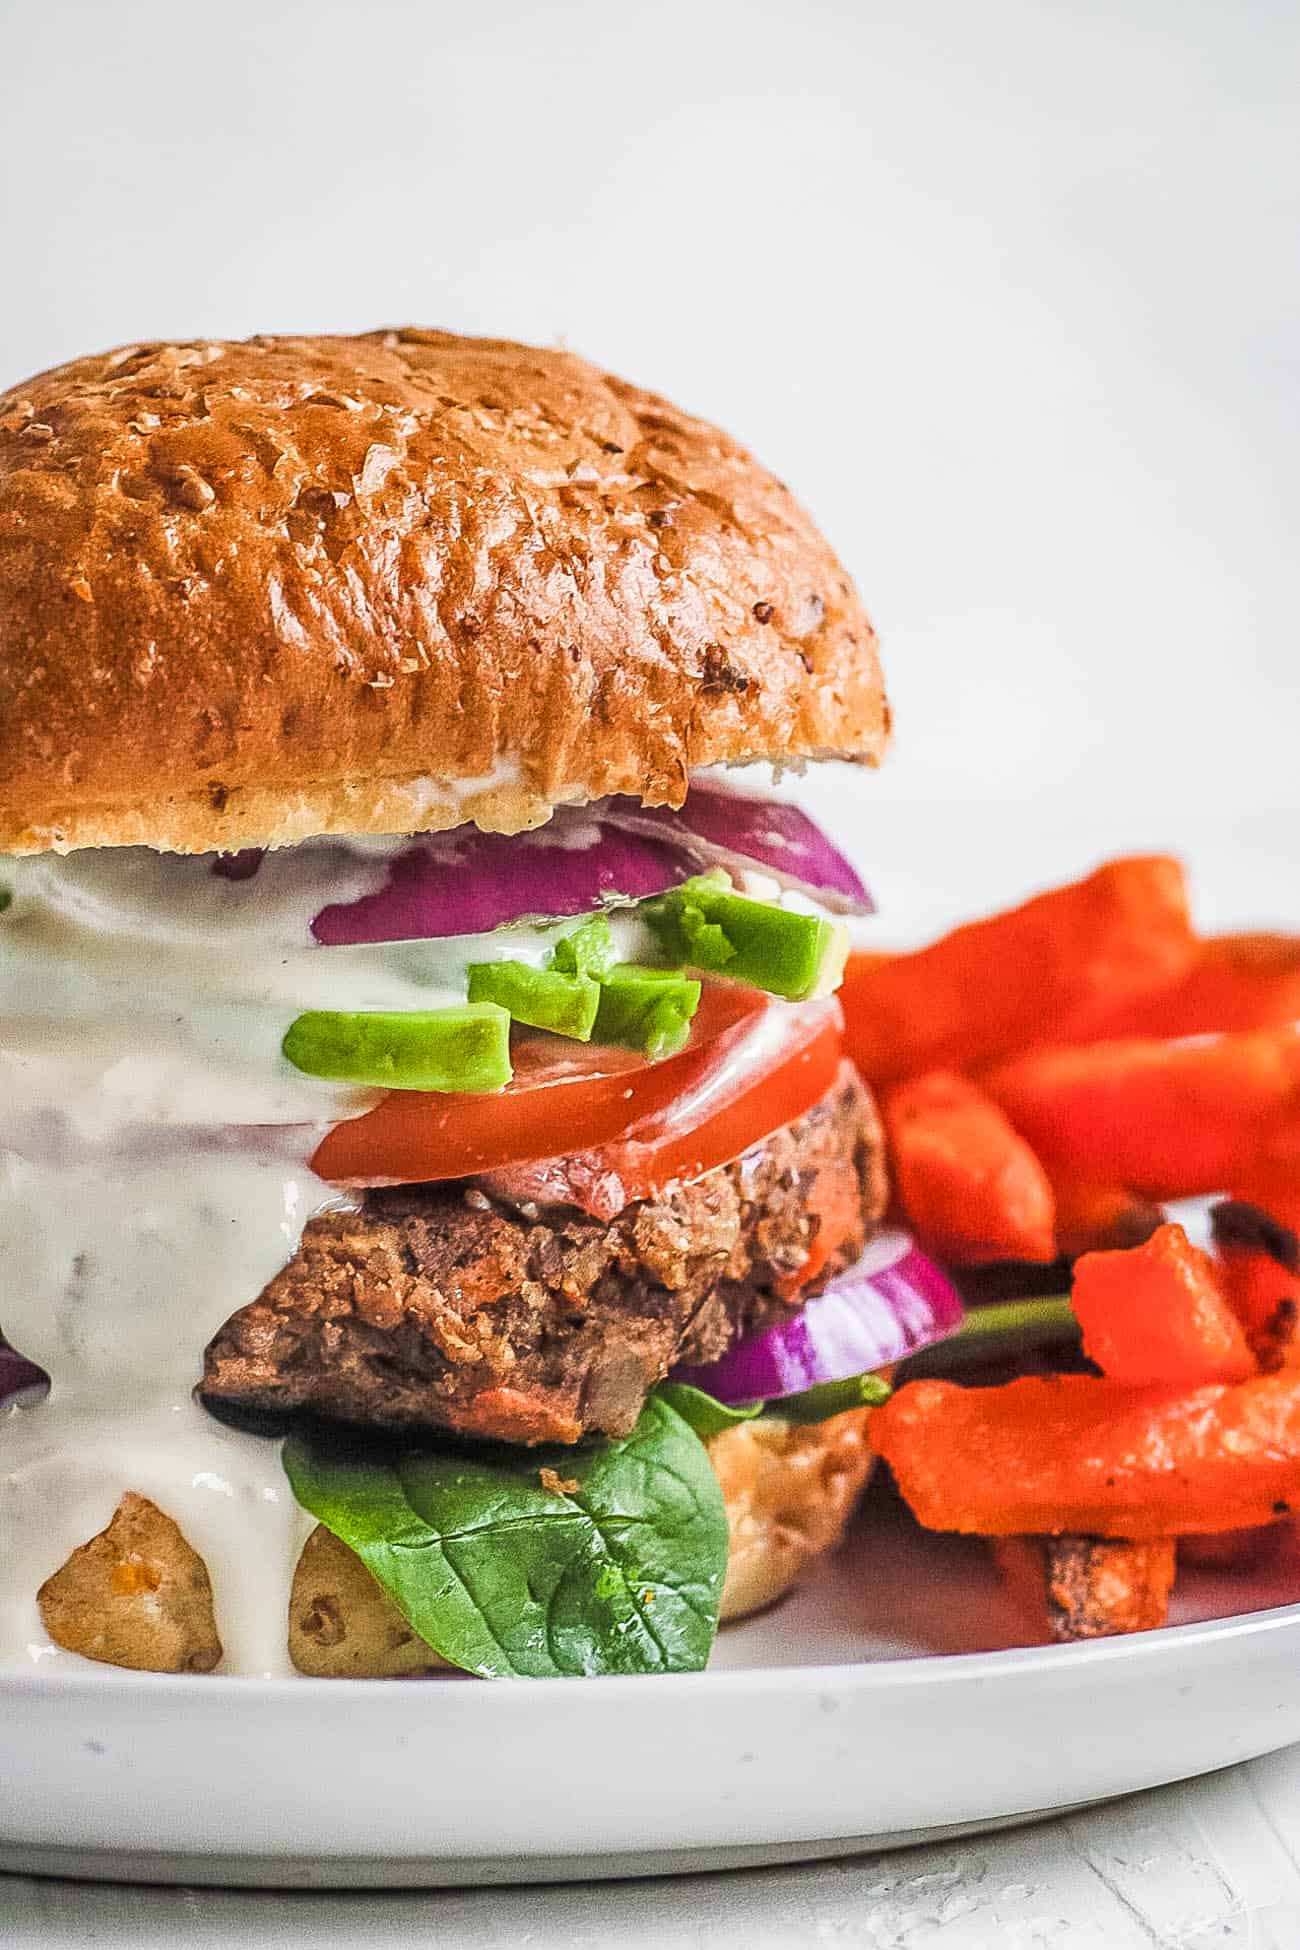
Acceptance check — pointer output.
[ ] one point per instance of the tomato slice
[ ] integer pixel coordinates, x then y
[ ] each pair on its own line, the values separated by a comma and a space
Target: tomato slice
786, 1066
751, 1066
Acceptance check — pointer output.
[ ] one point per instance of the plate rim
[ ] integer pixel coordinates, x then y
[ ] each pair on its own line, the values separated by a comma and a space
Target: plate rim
999, 1663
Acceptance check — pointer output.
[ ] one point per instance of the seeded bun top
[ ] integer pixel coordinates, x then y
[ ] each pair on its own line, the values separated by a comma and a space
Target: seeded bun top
255, 591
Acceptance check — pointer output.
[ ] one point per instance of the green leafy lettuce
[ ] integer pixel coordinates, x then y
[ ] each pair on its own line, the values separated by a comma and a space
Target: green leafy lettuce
543, 1564
706, 1415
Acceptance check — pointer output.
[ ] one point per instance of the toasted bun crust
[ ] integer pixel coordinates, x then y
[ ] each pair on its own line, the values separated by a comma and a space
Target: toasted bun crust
789, 1491
251, 592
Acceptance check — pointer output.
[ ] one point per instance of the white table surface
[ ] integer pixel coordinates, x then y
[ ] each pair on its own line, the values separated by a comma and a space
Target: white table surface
1213, 1863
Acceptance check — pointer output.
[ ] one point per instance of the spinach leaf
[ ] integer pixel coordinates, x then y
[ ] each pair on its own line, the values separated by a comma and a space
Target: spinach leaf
706, 1415
554, 1562
709, 1417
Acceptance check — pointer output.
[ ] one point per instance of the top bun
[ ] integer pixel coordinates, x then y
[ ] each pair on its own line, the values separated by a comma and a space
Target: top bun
251, 592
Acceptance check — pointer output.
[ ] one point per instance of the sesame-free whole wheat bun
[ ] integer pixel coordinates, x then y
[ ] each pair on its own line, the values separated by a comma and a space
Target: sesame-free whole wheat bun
252, 592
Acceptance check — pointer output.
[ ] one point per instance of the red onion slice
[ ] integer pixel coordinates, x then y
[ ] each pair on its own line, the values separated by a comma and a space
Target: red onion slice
722, 828
238, 866
21, 1381
891, 1303
468, 882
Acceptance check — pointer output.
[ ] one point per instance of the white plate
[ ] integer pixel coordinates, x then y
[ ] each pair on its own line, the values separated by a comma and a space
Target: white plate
885, 1703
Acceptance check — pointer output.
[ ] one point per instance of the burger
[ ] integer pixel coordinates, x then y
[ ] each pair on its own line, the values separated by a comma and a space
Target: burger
440, 1225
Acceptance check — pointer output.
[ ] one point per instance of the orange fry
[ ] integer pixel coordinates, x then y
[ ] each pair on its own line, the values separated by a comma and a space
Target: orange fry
1238, 982
1157, 1314
1259, 1270
1073, 1588
972, 1190
1047, 971
1169, 1119
1232, 1550
1071, 1453
1275, 1189
1093, 1218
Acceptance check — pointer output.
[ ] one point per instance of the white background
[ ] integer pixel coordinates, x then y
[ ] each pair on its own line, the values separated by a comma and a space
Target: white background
1010, 293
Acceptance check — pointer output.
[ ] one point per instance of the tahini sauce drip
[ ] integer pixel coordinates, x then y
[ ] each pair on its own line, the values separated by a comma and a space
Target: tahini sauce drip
153, 1178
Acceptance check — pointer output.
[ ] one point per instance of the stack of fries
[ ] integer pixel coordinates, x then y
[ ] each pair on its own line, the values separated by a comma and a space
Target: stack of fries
1049, 1077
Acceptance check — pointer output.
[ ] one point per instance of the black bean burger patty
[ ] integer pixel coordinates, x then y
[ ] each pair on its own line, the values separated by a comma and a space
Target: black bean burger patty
439, 1306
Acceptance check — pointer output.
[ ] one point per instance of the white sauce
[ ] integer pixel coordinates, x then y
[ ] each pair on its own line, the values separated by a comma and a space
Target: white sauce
153, 1178
115, 1282
502, 776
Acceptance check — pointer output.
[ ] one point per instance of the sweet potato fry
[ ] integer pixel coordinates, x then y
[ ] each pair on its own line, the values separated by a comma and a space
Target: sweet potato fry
1170, 1119
1092, 1218
1274, 1190
1266, 1299
1234, 1551
1259, 1262
1044, 972
1071, 1453
1237, 982
1088, 1587
1239, 1223
971, 1188
1157, 1313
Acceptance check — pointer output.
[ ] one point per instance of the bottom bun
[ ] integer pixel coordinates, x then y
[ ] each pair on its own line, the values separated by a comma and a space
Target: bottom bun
138, 1595
789, 1491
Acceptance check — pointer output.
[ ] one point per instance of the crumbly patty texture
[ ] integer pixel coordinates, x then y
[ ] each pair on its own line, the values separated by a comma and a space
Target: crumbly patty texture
439, 1307
254, 591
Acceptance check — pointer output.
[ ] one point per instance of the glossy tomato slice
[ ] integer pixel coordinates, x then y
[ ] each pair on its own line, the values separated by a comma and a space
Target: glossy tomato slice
751, 1065
787, 1064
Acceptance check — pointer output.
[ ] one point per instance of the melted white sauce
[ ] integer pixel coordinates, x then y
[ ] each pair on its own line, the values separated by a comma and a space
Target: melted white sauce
153, 1178
115, 1282
459, 792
